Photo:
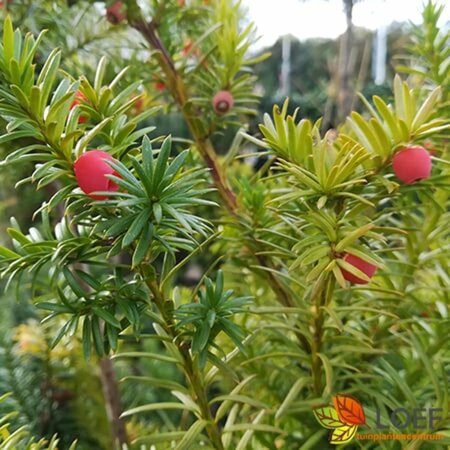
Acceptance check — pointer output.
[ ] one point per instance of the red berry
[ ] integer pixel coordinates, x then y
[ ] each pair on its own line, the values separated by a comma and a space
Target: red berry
360, 264
138, 105
79, 98
429, 146
160, 86
187, 47
222, 102
116, 13
90, 170
412, 164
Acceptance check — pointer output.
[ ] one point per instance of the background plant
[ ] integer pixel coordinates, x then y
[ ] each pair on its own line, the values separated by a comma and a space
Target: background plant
115, 275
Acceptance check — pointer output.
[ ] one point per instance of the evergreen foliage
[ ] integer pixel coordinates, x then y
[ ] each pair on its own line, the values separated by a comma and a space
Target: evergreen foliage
242, 361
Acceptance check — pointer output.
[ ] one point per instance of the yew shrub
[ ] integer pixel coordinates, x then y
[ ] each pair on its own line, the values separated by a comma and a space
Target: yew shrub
323, 272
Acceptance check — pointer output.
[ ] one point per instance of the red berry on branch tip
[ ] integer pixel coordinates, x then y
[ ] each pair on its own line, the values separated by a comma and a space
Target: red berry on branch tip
160, 86
412, 164
222, 102
116, 13
187, 47
91, 169
138, 105
79, 98
360, 264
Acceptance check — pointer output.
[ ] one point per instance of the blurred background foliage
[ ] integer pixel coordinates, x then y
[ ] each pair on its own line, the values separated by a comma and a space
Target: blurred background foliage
56, 391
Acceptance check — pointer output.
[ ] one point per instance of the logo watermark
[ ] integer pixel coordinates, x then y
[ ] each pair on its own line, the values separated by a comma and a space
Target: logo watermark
347, 414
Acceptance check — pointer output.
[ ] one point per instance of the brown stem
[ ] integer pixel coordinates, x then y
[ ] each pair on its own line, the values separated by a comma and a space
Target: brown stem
283, 296
113, 403
176, 85
322, 294
178, 89
111, 391
209, 155
193, 374
200, 396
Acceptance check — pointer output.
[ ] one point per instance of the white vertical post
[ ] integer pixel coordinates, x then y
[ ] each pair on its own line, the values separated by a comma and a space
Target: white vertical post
380, 54
285, 66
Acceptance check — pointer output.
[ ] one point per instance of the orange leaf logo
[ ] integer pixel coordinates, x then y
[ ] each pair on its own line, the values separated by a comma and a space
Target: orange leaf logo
349, 410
